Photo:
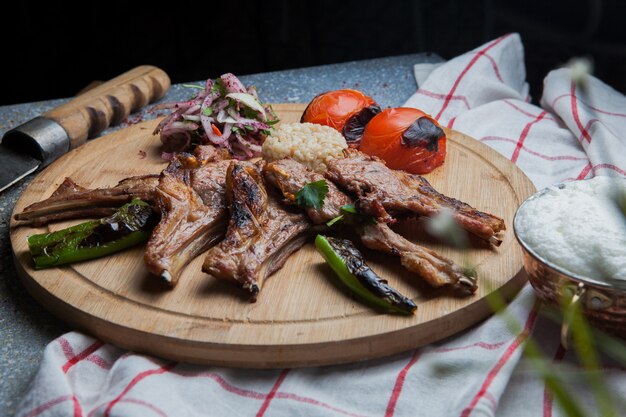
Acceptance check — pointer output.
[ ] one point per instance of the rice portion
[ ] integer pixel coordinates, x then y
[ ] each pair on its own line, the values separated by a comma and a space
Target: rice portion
310, 144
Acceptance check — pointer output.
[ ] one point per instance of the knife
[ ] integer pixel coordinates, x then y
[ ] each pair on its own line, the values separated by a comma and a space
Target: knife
40, 141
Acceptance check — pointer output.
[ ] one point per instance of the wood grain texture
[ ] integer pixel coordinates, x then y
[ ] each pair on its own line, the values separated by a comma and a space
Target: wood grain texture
303, 317
109, 103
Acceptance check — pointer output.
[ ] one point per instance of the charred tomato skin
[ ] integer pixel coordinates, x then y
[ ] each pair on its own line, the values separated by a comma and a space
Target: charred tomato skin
347, 111
355, 125
405, 138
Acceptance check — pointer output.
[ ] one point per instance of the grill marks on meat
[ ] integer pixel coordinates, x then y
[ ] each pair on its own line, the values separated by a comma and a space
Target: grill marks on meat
261, 233
191, 199
202, 196
436, 270
71, 201
289, 176
384, 193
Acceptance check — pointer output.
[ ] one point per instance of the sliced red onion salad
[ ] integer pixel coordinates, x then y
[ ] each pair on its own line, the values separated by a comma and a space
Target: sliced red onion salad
224, 113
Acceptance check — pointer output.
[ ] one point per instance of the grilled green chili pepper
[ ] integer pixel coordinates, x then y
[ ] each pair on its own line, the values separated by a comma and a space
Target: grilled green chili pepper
350, 267
130, 225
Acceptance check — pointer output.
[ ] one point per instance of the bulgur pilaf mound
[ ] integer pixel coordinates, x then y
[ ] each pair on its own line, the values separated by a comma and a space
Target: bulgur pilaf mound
311, 144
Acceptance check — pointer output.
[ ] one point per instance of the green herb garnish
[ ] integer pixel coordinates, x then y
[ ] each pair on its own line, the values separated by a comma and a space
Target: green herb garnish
208, 111
249, 113
335, 220
199, 87
349, 208
350, 215
219, 87
312, 194
346, 209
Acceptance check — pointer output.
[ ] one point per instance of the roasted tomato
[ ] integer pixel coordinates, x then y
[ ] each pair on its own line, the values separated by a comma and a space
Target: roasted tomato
406, 139
347, 111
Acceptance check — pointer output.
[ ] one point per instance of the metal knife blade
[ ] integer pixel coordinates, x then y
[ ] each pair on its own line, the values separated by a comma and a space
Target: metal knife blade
30, 146
40, 141
14, 166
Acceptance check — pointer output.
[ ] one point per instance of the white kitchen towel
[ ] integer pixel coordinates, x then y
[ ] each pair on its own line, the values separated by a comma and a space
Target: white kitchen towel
478, 373
596, 115
576, 134
484, 94
81, 376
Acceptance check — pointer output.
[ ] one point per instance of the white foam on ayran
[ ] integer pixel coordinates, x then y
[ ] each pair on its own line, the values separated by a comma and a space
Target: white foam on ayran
580, 228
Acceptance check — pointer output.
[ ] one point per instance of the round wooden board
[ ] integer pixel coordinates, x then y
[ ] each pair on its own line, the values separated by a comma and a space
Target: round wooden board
303, 317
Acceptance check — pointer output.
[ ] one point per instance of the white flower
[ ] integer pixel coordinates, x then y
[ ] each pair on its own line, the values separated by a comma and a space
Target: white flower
445, 227
580, 69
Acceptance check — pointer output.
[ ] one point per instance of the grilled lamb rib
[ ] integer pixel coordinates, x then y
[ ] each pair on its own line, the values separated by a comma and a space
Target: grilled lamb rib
71, 201
191, 199
289, 176
436, 270
383, 193
261, 233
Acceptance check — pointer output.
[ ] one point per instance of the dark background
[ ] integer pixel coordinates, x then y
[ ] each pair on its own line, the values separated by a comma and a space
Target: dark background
53, 51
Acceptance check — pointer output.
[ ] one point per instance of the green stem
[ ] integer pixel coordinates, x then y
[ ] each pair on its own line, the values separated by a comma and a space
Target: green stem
553, 380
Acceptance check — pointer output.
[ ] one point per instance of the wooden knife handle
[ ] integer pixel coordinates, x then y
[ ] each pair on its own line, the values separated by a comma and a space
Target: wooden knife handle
108, 104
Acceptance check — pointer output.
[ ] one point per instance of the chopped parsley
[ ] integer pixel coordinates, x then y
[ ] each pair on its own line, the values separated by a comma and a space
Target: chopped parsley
312, 194
335, 220
219, 87
350, 215
349, 208
249, 113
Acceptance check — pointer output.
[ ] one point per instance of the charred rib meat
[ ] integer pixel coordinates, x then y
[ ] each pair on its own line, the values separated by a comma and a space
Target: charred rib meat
289, 176
71, 201
261, 233
436, 270
384, 193
191, 199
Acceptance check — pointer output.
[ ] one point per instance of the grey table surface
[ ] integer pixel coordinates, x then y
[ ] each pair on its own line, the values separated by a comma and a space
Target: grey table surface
26, 327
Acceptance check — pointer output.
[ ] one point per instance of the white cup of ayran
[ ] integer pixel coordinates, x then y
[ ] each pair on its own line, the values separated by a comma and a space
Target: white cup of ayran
573, 236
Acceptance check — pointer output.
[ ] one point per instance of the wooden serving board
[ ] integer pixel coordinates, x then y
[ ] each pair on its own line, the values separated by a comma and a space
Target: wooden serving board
303, 316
